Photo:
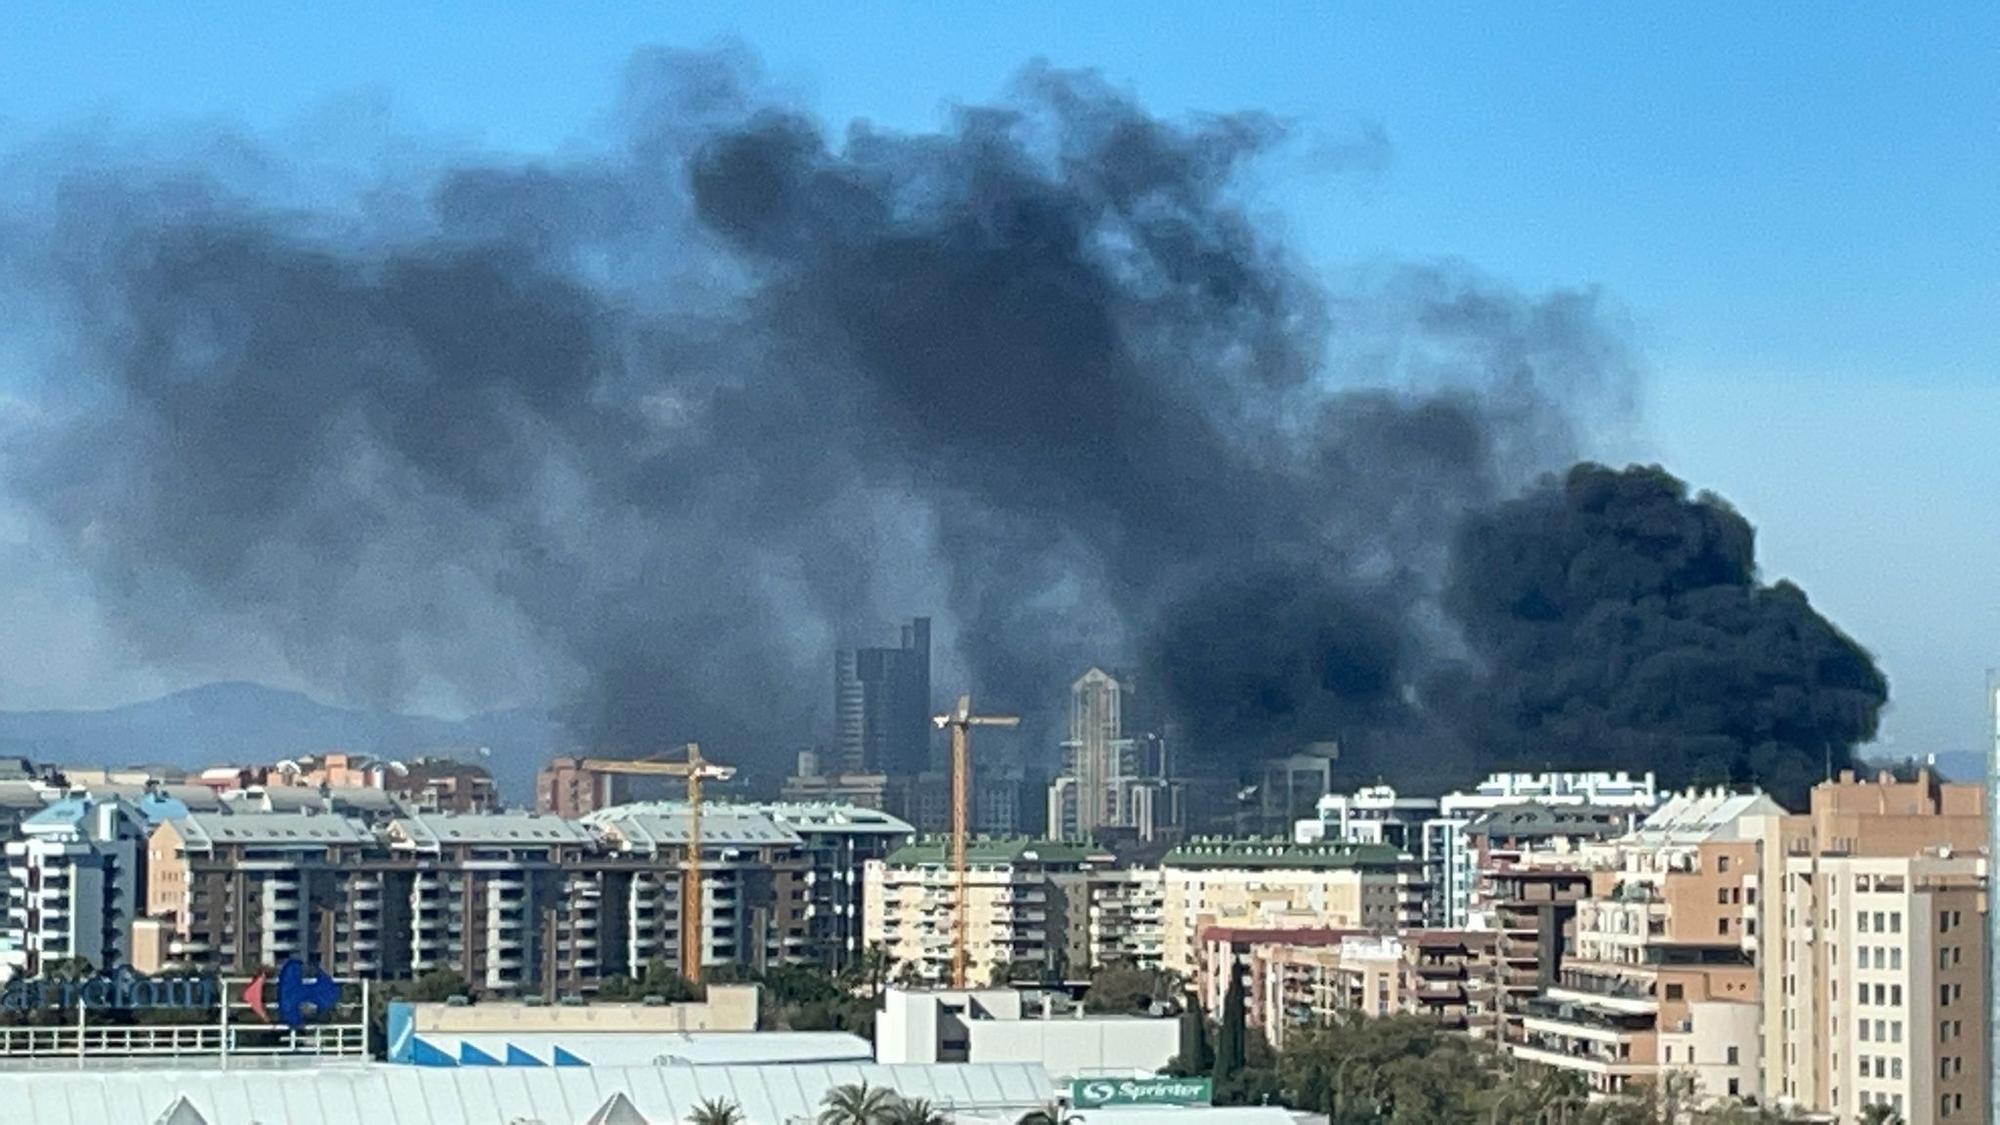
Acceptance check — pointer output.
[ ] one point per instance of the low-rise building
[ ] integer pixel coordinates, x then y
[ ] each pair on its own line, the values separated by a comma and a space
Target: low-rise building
1006, 1025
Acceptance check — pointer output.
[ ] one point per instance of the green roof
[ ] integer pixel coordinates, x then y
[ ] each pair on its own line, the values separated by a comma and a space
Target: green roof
937, 849
1275, 854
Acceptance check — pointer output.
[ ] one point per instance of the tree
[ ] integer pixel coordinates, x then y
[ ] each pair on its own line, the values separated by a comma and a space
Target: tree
1196, 1056
1123, 990
1048, 1113
715, 1111
915, 1111
1879, 1114
857, 1104
656, 979
1229, 1040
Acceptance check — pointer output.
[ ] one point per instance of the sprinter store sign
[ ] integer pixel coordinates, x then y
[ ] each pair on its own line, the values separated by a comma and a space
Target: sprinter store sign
1089, 1093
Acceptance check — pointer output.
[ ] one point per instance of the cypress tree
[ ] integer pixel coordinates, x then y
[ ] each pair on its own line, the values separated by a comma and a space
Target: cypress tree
1229, 1040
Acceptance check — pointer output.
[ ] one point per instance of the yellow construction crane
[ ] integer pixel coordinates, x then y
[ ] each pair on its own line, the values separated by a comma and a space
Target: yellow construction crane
696, 769
960, 722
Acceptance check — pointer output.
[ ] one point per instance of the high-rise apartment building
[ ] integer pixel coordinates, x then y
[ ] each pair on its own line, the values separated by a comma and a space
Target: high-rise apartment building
1661, 984
882, 705
74, 879
248, 891
1873, 951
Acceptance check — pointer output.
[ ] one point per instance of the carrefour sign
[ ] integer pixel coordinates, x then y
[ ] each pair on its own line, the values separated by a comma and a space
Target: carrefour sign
1088, 1093
122, 989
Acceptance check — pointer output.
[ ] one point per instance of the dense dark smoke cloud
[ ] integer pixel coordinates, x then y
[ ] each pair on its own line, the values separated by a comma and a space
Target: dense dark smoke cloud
648, 430
1618, 620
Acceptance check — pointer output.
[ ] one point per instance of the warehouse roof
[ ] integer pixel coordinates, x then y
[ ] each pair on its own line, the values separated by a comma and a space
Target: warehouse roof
404, 1095
625, 1048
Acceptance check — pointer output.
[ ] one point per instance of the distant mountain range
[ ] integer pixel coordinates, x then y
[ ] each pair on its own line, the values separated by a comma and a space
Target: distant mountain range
242, 722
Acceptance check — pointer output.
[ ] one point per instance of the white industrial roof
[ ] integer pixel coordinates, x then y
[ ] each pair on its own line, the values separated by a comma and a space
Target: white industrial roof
387, 1094
647, 826
626, 1048
1695, 817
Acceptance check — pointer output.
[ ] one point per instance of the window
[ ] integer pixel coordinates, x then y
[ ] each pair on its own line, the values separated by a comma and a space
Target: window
1896, 957
1895, 921
1864, 1031
1944, 995
1861, 922
1896, 1067
1733, 1091
1722, 926
1944, 921
1722, 896
1895, 1031
1944, 1031
1878, 922
1722, 863
1944, 958
1896, 994
1674, 992
1732, 1056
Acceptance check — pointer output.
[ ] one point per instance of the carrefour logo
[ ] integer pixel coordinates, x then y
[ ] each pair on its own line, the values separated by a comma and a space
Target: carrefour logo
299, 998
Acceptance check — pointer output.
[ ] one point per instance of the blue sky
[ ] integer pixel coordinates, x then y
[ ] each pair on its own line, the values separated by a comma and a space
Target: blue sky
1794, 207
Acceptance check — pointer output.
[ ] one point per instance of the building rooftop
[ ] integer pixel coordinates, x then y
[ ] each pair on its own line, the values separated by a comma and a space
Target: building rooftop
652, 824
1280, 855
937, 850
1701, 817
1535, 819
293, 830
433, 830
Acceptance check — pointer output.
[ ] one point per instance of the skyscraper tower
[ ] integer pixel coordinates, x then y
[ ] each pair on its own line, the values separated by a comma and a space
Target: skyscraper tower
1115, 770
882, 705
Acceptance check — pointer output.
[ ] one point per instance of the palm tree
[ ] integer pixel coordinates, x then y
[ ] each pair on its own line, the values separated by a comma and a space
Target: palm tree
915, 1111
1048, 1113
857, 1104
715, 1111
1879, 1114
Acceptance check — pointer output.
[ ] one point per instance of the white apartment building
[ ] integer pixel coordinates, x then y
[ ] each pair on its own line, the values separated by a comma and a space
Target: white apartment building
1127, 917
75, 882
1438, 830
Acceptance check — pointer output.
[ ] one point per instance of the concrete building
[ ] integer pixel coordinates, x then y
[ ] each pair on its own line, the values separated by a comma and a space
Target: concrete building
1513, 837
564, 789
1376, 814
1126, 923
838, 842
1663, 978
1288, 788
248, 891
1276, 883
75, 877
754, 875
1874, 961
1434, 974
1019, 908
882, 705
1116, 768
1006, 1025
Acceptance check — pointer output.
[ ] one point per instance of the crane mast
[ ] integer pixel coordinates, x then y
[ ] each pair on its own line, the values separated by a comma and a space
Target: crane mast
695, 770
960, 721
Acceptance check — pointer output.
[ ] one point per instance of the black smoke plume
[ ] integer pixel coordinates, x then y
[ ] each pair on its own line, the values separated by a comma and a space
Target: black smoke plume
1619, 621
647, 429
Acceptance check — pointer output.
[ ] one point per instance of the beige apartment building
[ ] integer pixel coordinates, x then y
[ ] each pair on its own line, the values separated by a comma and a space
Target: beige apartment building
1019, 900
1430, 973
1283, 885
1661, 981
1874, 959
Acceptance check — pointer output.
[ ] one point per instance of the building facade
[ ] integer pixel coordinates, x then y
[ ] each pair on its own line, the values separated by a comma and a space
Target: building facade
75, 875
1874, 957
1116, 766
882, 705
1020, 917
1276, 883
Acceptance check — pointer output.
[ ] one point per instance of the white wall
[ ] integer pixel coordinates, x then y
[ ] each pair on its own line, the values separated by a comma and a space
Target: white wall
1070, 1047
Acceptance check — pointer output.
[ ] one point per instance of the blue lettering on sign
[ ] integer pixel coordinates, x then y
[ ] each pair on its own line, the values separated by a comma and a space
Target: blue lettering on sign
122, 989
